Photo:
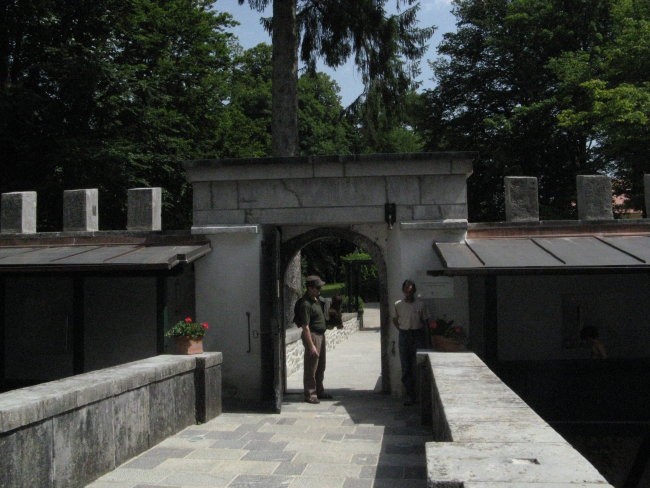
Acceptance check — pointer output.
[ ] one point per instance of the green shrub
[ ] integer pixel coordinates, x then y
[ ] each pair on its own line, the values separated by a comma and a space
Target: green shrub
354, 307
332, 289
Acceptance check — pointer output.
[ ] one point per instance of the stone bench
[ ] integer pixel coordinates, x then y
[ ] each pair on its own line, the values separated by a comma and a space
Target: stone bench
68, 432
488, 437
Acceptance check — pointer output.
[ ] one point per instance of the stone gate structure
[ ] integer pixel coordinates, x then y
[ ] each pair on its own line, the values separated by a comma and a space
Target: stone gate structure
393, 205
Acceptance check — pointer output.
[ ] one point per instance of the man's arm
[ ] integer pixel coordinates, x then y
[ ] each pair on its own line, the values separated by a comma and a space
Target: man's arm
306, 334
304, 317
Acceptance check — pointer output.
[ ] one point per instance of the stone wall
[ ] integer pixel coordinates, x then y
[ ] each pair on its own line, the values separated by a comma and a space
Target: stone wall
68, 432
295, 350
487, 436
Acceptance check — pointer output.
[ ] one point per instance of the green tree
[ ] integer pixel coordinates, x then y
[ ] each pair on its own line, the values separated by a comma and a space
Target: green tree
324, 129
109, 94
385, 126
607, 93
496, 93
385, 48
245, 128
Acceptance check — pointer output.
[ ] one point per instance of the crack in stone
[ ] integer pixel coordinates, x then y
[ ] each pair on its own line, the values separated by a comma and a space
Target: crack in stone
296, 194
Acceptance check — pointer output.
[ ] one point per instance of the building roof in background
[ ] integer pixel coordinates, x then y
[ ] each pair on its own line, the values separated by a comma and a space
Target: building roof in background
527, 249
99, 252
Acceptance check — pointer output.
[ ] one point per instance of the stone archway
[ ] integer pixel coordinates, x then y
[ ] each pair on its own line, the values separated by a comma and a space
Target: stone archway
295, 244
239, 205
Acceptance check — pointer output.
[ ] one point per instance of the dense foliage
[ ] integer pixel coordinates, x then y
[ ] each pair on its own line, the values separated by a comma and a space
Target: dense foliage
108, 94
540, 88
386, 49
116, 94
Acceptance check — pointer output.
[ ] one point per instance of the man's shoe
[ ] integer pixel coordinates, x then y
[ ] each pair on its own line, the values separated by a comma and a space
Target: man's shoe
408, 402
312, 400
325, 396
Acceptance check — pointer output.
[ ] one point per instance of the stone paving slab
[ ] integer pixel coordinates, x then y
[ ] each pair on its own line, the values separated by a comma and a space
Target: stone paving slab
360, 439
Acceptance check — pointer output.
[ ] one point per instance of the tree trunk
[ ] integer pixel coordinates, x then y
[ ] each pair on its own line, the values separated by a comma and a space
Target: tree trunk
284, 125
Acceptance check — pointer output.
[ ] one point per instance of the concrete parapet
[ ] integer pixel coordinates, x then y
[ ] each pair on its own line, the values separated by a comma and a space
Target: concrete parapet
594, 197
487, 436
95, 421
144, 209
80, 212
522, 199
18, 214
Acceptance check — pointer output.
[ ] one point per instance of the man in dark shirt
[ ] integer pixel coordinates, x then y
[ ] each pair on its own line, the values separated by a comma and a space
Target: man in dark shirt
310, 316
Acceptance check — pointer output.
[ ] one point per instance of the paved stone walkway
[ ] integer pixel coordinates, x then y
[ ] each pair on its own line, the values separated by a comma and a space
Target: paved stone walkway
360, 439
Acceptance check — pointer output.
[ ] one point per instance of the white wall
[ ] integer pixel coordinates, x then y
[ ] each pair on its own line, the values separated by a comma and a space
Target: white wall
228, 286
530, 314
410, 255
120, 320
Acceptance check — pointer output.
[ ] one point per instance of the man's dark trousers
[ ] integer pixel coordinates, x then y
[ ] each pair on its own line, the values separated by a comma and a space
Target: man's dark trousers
314, 367
409, 342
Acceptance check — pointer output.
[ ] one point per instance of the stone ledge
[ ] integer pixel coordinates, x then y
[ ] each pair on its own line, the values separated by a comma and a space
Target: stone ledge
225, 229
487, 436
36, 403
90, 435
448, 224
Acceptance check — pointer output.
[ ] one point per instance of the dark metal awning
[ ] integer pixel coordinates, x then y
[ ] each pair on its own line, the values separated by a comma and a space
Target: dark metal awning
620, 253
124, 257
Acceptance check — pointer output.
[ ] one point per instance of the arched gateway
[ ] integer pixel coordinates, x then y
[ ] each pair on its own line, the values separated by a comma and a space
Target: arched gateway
255, 211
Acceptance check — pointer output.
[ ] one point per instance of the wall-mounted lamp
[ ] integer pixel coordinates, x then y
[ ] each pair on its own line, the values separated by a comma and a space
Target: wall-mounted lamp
389, 214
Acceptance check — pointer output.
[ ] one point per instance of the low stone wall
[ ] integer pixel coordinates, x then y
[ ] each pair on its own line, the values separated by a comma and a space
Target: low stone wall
295, 350
486, 436
67, 433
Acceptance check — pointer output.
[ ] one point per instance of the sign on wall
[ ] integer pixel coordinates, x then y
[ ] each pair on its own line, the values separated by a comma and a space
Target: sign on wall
435, 286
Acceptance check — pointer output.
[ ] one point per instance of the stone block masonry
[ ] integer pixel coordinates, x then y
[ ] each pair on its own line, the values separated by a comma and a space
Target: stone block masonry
594, 197
330, 190
18, 213
67, 433
521, 199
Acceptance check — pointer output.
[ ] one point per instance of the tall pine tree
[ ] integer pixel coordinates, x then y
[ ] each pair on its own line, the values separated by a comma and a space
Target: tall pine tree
385, 48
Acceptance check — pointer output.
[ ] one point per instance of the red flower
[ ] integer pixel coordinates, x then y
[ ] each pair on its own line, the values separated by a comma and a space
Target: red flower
205, 325
433, 324
188, 320
458, 329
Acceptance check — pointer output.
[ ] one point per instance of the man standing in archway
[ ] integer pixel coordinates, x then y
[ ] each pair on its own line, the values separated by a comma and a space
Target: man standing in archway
409, 317
310, 316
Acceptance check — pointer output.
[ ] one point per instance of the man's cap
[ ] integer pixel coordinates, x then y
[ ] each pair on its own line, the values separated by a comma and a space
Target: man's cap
314, 280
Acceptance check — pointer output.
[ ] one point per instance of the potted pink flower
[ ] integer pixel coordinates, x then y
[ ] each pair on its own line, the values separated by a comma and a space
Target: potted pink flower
445, 336
188, 336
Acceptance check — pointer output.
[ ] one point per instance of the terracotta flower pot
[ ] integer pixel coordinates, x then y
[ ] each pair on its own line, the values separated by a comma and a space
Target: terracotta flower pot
446, 344
187, 345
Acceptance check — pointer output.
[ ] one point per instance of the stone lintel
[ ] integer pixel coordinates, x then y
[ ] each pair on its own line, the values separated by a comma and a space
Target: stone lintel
521, 199
594, 197
449, 224
18, 214
80, 210
355, 165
